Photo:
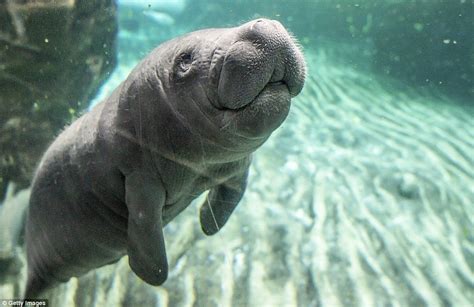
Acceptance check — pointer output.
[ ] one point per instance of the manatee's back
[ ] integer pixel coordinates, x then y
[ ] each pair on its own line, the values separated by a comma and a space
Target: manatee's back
62, 221
48, 212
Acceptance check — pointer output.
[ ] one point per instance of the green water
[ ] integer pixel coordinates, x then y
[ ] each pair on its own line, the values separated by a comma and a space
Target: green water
363, 197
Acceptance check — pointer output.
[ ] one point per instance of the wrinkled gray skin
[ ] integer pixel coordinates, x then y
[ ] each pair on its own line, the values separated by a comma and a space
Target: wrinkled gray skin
184, 121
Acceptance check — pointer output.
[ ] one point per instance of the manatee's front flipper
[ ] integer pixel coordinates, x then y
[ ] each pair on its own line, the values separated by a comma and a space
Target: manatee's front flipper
221, 202
145, 198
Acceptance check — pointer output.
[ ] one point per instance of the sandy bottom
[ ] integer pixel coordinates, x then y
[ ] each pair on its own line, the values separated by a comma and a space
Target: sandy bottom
364, 197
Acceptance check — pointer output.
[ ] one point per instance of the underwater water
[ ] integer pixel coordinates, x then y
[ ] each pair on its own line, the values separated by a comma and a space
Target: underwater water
363, 197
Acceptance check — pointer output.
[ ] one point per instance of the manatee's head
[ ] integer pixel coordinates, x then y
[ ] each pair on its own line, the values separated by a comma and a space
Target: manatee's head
242, 78
229, 85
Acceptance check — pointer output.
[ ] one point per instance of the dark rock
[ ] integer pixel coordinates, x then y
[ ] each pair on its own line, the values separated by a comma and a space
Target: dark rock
54, 55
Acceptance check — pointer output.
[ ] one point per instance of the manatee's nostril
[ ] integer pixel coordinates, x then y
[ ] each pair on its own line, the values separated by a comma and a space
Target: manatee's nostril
255, 23
261, 23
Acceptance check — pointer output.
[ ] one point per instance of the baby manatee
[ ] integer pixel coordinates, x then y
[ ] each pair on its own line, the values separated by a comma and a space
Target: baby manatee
186, 120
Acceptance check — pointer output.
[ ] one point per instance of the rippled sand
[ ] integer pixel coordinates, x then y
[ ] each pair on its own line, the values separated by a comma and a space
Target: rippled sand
364, 197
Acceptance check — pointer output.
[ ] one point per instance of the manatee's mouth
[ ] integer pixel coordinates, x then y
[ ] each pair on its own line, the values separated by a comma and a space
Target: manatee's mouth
263, 57
236, 94
276, 89
263, 114
255, 78
281, 82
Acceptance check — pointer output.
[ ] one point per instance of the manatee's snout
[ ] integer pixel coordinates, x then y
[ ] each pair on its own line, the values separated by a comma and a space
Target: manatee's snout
262, 59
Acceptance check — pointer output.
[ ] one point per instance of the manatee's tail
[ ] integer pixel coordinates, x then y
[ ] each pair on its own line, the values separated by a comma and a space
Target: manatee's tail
36, 287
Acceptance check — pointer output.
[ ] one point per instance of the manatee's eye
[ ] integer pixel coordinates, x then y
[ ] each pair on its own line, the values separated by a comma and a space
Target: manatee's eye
184, 62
